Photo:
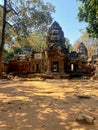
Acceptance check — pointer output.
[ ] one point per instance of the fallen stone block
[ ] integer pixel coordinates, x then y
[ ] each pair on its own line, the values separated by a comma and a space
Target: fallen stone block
83, 96
85, 119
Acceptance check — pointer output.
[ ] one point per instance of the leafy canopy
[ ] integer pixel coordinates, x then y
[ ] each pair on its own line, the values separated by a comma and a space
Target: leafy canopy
88, 12
24, 17
26, 24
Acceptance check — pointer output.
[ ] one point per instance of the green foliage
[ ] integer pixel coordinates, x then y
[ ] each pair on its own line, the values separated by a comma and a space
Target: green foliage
25, 17
7, 55
38, 41
88, 12
26, 24
16, 50
68, 45
32, 15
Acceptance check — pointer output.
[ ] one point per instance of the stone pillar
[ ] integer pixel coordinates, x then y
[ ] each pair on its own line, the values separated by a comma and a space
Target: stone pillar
48, 66
96, 71
61, 66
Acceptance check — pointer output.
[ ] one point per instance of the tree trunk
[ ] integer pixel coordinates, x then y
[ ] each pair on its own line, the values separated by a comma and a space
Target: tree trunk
3, 36
0, 64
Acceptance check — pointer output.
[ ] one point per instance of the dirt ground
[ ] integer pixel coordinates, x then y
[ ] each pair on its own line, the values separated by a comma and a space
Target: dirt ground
47, 105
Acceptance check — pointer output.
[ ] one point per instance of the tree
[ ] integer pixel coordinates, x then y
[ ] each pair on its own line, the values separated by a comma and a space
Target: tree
88, 12
22, 19
1, 14
36, 40
76, 44
3, 35
68, 45
91, 43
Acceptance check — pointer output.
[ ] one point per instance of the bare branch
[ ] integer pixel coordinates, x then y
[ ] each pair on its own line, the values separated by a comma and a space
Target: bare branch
12, 25
12, 10
8, 11
9, 24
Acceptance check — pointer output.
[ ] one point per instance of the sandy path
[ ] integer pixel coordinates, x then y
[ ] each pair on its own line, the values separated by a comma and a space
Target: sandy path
47, 105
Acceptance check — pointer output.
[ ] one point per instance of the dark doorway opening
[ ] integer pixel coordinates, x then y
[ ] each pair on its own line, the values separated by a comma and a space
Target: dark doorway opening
55, 67
37, 68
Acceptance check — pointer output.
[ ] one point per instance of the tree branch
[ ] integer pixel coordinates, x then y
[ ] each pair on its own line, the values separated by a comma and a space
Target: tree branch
8, 11
12, 10
9, 24
1, 6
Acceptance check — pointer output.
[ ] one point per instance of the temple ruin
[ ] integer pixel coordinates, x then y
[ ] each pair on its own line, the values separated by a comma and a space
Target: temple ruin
56, 58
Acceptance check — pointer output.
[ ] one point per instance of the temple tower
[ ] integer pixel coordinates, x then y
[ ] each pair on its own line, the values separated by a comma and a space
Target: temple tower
56, 48
82, 51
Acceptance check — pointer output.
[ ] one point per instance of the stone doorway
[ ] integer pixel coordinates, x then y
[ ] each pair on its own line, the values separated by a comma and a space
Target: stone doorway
55, 67
74, 67
37, 68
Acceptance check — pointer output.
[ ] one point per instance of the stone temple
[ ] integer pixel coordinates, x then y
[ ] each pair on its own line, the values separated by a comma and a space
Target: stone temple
55, 59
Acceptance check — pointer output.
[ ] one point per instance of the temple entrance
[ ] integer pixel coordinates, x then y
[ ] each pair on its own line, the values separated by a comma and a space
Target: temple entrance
37, 68
74, 67
55, 67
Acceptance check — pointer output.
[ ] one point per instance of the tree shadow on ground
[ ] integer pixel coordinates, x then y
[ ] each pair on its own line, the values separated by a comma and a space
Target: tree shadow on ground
24, 106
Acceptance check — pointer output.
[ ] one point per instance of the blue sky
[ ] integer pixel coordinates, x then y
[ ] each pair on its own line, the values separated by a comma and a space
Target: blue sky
66, 16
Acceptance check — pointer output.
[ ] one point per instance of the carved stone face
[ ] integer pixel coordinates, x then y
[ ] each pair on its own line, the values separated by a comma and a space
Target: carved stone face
82, 49
54, 38
54, 32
